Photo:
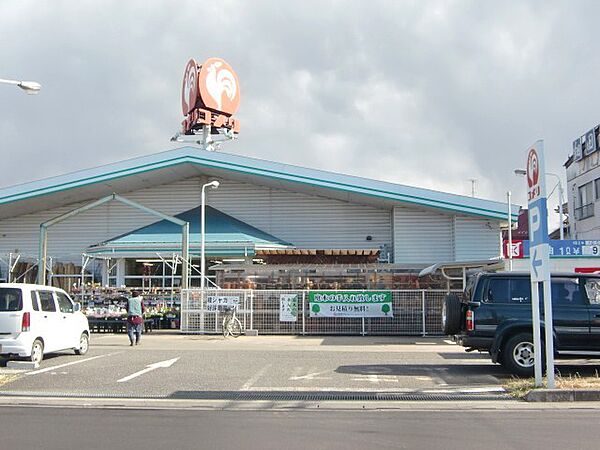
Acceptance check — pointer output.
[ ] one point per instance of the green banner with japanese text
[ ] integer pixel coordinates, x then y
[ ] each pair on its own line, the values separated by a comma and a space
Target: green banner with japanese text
350, 304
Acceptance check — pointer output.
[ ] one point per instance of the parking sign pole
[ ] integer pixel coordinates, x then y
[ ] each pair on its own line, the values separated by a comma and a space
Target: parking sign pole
537, 341
549, 336
539, 261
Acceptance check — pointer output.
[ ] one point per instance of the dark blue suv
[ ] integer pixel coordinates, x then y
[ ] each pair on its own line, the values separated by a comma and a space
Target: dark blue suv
494, 315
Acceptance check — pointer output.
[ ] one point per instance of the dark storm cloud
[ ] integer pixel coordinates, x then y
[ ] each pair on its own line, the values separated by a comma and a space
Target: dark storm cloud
422, 93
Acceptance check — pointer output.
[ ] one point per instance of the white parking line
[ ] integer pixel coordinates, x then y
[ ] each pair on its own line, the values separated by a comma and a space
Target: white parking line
248, 384
312, 375
79, 361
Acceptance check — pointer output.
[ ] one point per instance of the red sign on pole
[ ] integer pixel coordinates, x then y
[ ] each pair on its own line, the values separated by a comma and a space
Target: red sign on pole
533, 174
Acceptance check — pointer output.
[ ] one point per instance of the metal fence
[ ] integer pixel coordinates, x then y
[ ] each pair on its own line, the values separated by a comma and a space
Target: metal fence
415, 312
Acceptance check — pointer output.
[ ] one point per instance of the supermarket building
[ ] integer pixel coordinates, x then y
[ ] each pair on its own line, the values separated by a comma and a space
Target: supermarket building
268, 225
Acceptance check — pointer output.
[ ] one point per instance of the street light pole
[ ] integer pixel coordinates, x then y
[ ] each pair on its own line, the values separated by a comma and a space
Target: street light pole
560, 199
510, 256
30, 87
213, 184
560, 204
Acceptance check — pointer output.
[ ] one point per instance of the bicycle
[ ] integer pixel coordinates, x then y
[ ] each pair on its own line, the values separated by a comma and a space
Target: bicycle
231, 324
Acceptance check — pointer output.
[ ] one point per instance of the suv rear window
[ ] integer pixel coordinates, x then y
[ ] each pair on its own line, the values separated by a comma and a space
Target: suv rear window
11, 299
565, 291
508, 290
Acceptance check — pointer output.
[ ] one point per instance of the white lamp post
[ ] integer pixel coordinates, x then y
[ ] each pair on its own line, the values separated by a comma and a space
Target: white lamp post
560, 199
30, 87
213, 184
560, 204
510, 250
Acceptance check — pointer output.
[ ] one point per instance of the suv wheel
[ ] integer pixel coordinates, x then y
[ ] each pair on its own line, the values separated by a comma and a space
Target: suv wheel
517, 355
451, 314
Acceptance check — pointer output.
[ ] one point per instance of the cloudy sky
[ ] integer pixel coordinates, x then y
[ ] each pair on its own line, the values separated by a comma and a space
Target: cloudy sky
430, 94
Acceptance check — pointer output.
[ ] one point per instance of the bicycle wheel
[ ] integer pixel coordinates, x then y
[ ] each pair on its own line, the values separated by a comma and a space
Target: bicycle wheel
235, 327
226, 326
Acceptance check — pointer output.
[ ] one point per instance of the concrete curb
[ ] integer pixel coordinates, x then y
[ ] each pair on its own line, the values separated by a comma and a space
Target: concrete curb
563, 395
221, 405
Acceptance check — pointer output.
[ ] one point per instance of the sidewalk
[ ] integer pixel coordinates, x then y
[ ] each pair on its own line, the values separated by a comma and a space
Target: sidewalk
164, 340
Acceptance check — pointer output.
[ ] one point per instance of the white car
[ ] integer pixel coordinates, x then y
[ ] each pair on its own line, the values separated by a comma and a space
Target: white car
36, 320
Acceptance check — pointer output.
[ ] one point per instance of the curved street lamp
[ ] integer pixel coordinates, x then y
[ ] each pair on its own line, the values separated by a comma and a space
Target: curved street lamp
522, 172
30, 87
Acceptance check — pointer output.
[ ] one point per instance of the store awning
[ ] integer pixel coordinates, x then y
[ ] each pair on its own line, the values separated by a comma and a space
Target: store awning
225, 236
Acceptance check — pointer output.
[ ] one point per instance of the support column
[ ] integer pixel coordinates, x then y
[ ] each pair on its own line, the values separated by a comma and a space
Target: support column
120, 272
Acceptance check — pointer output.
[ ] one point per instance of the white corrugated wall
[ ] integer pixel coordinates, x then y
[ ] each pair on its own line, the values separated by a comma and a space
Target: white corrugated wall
68, 239
476, 238
306, 221
422, 236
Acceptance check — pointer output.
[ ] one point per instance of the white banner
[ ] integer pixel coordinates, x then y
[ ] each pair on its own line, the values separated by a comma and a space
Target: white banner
288, 308
218, 302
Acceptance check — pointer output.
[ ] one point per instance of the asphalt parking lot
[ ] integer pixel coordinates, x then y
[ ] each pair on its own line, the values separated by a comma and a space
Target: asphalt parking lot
177, 366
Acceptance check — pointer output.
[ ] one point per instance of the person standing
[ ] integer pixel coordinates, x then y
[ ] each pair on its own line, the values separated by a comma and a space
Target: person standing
135, 318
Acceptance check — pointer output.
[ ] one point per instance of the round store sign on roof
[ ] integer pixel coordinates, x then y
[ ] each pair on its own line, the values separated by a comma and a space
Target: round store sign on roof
219, 86
213, 85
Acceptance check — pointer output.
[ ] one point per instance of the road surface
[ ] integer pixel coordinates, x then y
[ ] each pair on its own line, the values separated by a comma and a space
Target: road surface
48, 429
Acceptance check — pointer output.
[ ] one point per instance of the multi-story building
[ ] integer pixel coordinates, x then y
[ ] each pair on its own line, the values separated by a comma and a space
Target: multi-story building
583, 186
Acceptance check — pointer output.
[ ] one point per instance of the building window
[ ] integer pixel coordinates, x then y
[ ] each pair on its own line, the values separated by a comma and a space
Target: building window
597, 188
586, 202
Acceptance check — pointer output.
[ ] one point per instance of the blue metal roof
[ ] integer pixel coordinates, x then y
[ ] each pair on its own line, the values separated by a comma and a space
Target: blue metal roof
259, 168
221, 228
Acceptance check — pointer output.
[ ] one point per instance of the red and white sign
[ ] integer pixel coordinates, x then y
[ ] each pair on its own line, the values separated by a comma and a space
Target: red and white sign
516, 249
189, 90
533, 175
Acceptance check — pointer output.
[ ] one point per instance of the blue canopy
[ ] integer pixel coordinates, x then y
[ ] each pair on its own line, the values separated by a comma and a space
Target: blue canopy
225, 235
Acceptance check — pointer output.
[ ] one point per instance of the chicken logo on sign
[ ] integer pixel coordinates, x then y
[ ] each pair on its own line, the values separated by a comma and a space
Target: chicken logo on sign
210, 96
219, 86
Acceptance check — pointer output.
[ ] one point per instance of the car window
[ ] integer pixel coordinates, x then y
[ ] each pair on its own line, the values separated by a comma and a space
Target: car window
47, 301
469, 288
592, 288
520, 290
11, 299
64, 303
497, 291
34, 301
566, 291
508, 290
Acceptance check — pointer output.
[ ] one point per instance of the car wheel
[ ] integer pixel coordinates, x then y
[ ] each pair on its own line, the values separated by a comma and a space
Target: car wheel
37, 351
451, 314
518, 355
84, 344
